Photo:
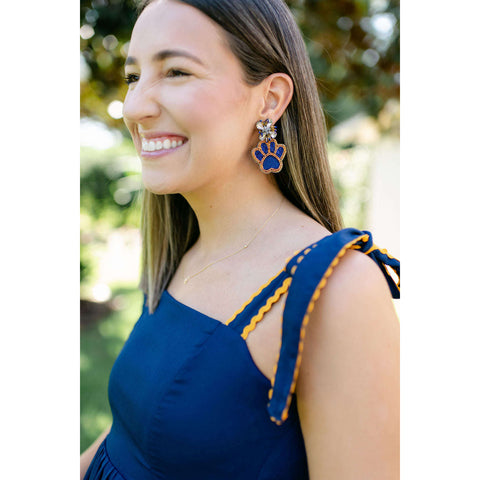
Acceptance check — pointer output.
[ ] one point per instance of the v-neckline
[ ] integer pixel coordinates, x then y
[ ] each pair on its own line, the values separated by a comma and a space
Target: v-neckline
191, 309
237, 312
264, 378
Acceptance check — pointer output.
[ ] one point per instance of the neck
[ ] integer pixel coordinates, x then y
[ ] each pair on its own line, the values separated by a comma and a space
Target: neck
230, 214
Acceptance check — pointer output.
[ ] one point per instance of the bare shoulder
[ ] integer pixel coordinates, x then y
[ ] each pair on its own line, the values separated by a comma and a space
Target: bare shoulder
355, 281
354, 304
348, 384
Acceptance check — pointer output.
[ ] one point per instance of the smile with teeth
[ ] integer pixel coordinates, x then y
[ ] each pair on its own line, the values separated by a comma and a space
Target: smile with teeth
157, 144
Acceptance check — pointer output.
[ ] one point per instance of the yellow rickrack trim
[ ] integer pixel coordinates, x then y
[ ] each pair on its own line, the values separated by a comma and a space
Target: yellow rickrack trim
273, 299
245, 305
381, 250
306, 319
385, 252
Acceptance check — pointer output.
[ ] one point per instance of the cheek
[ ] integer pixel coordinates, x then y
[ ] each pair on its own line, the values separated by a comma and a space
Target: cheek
199, 108
221, 115
215, 106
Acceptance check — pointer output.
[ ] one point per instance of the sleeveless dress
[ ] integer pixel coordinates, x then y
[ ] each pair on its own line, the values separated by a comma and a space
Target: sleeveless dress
188, 401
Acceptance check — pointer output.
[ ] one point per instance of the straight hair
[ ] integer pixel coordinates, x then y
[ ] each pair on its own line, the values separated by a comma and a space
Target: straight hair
265, 38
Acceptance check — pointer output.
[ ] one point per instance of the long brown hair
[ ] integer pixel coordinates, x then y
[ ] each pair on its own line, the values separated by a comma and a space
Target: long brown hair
264, 37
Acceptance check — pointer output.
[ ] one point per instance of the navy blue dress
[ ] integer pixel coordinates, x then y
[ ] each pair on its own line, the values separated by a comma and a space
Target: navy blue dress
188, 401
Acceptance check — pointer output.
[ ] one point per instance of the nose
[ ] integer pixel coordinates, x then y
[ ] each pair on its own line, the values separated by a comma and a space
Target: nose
141, 103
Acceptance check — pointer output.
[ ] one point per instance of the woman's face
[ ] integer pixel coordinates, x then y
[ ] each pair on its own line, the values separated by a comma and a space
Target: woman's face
190, 113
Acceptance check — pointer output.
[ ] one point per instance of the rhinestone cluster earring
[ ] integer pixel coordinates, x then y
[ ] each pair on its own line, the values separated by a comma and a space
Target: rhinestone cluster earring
268, 153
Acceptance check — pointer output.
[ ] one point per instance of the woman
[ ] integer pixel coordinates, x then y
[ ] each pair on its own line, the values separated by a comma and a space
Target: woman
243, 248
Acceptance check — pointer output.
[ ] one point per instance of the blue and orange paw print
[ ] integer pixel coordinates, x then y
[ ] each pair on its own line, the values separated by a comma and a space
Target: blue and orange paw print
269, 156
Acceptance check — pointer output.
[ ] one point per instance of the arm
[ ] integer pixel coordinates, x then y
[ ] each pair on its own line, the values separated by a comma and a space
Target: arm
348, 384
89, 453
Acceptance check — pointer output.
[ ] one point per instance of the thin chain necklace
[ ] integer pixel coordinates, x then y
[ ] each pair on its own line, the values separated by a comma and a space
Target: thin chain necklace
239, 250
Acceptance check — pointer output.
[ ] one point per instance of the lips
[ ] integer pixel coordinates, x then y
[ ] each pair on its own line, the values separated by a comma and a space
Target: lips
160, 143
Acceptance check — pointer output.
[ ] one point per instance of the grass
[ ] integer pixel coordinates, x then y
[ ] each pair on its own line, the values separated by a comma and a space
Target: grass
100, 344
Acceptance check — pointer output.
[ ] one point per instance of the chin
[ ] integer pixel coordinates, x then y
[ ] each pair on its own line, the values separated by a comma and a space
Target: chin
157, 184
161, 184
166, 177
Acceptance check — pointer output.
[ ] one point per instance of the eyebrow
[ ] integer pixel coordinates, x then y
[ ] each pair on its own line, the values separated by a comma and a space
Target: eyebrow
164, 54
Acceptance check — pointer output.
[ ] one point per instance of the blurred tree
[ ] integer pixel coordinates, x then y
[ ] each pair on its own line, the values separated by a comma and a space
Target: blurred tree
105, 30
108, 185
353, 45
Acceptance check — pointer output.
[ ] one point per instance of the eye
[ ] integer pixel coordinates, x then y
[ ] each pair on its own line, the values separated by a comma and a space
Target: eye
131, 78
177, 73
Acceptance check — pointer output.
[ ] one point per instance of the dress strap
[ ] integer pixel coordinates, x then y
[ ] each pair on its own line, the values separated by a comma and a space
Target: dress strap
252, 311
310, 270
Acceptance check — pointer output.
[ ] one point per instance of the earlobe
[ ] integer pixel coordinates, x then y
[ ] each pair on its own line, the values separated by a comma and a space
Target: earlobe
278, 93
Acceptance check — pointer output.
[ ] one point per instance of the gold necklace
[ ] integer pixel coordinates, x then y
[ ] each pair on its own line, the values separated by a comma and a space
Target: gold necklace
239, 250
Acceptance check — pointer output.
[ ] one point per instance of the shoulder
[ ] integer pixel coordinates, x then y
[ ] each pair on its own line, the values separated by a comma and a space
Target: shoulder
354, 281
355, 303
355, 300
347, 386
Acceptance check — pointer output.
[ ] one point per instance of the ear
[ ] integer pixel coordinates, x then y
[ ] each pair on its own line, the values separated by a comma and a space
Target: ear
278, 92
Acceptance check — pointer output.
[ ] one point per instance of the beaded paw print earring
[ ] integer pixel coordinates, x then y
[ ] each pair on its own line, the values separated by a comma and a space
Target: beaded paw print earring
268, 153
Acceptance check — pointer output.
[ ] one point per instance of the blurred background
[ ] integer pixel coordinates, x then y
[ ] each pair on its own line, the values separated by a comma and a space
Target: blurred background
355, 53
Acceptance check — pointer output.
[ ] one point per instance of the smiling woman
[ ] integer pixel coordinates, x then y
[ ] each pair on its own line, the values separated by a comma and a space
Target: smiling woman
243, 249
198, 96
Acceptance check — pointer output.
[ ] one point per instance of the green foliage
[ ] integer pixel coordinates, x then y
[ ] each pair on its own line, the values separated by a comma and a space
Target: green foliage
103, 54
350, 172
87, 264
100, 343
354, 49
110, 186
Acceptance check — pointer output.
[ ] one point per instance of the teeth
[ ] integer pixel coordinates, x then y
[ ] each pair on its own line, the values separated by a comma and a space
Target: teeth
152, 145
